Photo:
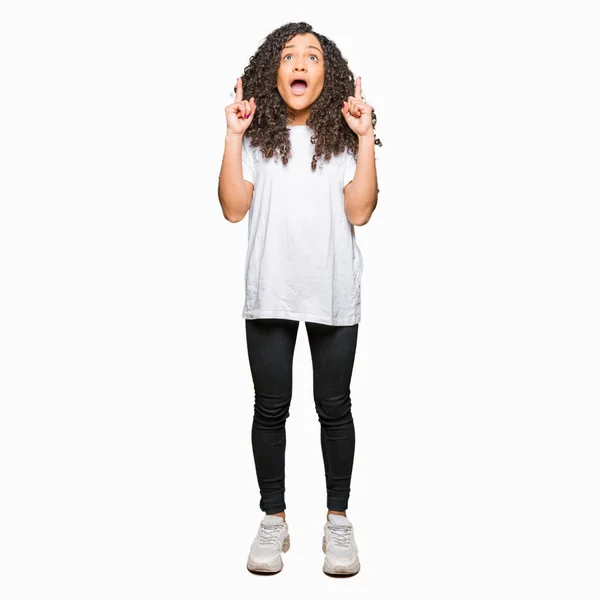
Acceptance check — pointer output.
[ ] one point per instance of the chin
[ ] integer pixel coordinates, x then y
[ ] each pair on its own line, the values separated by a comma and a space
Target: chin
299, 105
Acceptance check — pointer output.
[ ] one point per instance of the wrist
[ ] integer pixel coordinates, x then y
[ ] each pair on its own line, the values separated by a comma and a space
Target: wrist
233, 137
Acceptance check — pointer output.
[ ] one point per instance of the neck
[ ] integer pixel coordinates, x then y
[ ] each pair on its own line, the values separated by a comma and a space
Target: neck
298, 117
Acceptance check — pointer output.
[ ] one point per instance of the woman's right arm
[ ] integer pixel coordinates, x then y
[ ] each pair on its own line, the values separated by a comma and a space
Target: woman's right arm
235, 193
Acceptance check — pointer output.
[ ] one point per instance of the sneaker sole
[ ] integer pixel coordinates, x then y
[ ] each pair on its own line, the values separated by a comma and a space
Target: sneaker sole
257, 566
343, 569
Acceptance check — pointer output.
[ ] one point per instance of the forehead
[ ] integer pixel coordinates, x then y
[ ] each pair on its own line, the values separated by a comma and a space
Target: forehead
302, 40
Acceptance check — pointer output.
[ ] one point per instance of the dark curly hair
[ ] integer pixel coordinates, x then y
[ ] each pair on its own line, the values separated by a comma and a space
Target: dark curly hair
268, 130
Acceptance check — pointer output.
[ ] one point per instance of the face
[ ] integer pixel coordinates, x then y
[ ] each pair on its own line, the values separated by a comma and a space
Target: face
301, 59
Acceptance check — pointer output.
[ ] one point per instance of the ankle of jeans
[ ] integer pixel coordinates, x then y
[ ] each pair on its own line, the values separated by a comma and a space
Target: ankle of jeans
337, 503
272, 504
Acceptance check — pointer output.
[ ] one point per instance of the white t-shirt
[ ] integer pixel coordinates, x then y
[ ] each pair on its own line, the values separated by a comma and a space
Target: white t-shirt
302, 262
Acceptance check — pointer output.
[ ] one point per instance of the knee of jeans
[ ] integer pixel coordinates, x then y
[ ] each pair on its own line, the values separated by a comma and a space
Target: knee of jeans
271, 410
334, 410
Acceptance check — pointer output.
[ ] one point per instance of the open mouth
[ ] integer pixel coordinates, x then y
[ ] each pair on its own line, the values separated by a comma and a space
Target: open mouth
298, 86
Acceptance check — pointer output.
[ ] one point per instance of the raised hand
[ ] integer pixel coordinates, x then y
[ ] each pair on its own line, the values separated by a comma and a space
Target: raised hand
358, 114
239, 114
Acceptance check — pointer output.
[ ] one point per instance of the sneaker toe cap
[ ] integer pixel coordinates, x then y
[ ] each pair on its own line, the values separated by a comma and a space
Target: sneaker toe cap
341, 553
343, 556
261, 553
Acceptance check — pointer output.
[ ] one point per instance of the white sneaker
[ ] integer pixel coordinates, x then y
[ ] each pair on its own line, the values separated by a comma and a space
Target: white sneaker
341, 553
271, 540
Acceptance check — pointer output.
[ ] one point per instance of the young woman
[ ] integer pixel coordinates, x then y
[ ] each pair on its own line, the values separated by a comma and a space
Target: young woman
300, 159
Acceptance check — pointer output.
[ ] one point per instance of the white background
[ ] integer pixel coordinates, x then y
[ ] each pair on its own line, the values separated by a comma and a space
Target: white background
125, 456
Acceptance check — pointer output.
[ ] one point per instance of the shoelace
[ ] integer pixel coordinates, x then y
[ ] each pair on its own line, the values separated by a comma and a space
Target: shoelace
269, 533
341, 535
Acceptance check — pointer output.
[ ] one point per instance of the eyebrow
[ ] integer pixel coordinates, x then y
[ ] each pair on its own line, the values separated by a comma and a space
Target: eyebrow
306, 46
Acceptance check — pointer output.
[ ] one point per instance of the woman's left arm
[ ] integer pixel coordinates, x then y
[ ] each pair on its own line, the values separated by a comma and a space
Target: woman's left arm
360, 195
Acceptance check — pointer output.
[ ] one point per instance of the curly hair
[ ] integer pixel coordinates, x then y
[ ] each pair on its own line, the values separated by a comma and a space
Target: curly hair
268, 130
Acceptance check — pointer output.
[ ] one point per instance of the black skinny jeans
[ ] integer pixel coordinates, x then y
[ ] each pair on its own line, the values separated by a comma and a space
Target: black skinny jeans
271, 344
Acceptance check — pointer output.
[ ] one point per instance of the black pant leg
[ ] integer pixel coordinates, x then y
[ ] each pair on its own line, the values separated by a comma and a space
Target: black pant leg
333, 349
271, 344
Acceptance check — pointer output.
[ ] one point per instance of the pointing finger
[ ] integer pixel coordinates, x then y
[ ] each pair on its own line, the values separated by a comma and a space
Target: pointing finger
238, 90
357, 89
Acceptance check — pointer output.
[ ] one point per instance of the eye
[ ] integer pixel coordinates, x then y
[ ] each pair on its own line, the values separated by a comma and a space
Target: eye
311, 56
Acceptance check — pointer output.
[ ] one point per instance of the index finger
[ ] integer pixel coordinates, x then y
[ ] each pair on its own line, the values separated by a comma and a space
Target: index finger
357, 89
238, 90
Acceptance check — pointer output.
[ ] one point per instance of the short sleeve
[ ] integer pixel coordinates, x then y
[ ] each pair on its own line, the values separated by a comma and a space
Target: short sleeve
349, 168
247, 161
